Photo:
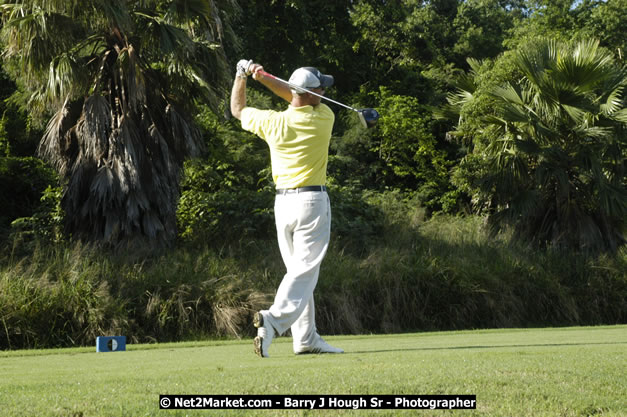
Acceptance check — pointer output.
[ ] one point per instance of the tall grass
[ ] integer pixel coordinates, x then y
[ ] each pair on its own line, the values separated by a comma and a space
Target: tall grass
69, 295
444, 273
58, 297
449, 273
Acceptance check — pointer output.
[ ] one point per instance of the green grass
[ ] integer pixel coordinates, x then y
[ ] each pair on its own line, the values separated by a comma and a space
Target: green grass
577, 371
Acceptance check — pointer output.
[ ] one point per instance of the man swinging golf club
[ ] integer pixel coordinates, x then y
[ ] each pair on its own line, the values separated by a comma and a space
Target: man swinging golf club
298, 139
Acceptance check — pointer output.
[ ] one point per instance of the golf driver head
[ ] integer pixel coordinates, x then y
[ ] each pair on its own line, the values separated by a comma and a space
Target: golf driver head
368, 117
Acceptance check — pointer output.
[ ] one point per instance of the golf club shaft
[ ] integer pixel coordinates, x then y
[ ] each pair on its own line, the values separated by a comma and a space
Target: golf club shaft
309, 91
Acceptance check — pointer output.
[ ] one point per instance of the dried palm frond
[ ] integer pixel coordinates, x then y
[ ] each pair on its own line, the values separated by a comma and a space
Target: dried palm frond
121, 79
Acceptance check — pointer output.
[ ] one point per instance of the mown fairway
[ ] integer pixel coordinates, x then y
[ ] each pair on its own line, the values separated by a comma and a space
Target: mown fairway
563, 371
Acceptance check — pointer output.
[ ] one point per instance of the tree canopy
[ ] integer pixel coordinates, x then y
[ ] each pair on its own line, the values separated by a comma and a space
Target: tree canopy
513, 109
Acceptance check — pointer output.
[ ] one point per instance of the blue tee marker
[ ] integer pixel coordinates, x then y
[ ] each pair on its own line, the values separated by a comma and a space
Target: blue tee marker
110, 343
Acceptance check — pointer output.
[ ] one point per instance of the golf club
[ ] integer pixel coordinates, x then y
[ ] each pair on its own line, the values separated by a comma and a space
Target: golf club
367, 117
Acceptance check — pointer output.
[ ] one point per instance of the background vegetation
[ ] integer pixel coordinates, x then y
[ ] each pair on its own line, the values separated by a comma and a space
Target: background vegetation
491, 193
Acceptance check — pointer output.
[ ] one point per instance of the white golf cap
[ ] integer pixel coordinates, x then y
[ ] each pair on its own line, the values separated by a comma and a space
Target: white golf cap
310, 77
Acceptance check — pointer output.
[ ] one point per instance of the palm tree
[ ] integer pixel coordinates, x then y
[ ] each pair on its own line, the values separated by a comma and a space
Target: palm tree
121, 79
556, 153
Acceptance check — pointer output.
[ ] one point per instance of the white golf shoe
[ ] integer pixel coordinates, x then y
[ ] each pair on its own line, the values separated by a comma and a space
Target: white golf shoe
265, 334
319, 347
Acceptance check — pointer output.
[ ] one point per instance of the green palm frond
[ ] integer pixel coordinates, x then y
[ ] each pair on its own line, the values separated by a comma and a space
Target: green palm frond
534, 62
512, 113
577, 115
584, 66
614, 101
465, 87
65, 77
116, 12
27, 38
620, 115
594, 134
510, 94
556, 147
189, 11
58, 6
172, 39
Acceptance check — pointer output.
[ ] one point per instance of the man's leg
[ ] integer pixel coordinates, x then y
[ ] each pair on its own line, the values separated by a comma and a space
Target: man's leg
303, 228
303, 224
305, 336
304, 331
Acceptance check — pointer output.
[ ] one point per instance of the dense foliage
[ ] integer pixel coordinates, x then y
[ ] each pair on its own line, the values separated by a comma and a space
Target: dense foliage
552, 145
121, 86
121, 80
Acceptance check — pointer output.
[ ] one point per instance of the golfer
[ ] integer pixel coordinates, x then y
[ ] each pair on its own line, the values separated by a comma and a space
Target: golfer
298, 139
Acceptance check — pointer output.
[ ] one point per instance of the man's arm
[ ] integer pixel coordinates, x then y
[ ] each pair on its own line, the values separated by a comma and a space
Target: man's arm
238, 97
238, 94
277, 87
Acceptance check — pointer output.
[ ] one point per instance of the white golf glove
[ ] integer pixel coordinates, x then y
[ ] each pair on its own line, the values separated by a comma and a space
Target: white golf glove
243, 66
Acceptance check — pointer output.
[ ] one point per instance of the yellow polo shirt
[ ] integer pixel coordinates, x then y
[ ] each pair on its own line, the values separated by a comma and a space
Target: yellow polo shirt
298, 139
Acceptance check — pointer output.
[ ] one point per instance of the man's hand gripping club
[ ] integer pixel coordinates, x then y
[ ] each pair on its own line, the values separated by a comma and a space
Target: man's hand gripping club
244, 68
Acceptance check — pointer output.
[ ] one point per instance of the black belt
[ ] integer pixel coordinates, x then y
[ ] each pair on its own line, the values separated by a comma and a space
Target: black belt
283, 191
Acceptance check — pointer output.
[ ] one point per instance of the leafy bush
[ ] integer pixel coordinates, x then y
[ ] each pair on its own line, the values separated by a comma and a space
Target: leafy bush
226, 216
45, 225
22, 181
355, 222
401, 152
549, 150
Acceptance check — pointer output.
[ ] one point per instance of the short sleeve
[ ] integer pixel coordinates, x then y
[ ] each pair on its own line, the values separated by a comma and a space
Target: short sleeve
263, 123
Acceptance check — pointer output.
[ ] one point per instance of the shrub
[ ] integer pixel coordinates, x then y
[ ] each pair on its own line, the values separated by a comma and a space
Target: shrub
45, 225
548, 145
24, 180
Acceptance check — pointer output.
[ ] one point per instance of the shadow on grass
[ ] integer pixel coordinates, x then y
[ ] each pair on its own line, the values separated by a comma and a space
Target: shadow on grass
419, 349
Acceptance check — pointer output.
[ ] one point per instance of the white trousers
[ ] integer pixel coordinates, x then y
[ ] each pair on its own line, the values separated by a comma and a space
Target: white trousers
303, 222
